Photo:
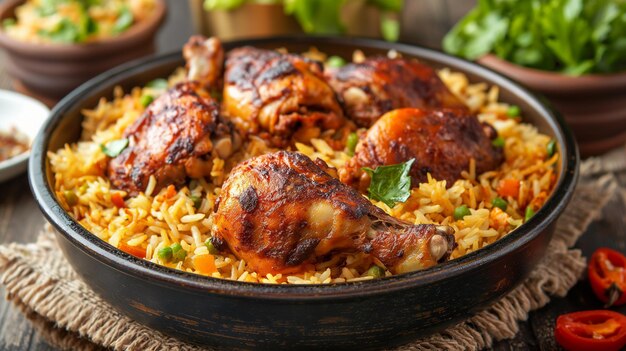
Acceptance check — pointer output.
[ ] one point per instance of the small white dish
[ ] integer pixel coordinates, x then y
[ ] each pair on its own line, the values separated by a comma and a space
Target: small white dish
27, 116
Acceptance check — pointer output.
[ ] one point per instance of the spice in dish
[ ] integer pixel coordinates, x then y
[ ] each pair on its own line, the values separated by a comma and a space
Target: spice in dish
75, 21
12, 143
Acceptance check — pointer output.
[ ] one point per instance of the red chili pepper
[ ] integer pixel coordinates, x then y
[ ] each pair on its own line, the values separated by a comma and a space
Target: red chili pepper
117, 200
607, 275
591, 331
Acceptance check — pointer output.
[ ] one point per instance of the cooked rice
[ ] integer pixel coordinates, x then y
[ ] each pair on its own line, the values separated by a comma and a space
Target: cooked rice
151, 222
39, 21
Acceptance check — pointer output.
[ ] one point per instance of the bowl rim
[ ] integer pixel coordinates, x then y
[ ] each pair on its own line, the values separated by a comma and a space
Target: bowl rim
556, 82
80, 50
175, 279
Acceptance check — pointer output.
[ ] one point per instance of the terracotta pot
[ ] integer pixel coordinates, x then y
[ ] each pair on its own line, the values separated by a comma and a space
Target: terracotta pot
254, 20
593, 105
50, 71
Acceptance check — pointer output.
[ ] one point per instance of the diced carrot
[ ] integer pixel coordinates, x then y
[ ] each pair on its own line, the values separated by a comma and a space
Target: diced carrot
508, 187
170, 191
204, 264
117, 200
136, 251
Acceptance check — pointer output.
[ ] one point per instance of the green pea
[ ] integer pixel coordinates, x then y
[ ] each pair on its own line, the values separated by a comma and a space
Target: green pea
498, 142
178, 253
513, 111
335, 62
353, 139
461, 212
165, 254
197, 201
551, 147
499, 203
212, 249
375, 271
146, 100
529, 213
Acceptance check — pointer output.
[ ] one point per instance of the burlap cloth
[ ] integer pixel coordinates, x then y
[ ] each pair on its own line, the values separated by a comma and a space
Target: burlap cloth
41, 282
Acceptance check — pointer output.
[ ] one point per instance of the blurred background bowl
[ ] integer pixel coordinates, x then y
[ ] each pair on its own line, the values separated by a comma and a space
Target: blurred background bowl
26, 115
50, 71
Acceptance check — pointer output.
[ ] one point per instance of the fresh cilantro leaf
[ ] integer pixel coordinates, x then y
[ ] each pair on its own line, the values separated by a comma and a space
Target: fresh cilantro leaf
390, 184
115, 147
64, 32
573, 37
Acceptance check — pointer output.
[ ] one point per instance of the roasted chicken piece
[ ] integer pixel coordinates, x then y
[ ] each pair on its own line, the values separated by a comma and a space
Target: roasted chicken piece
442, 142
178, 136
369, 89
204, 61
281, 96
281, 212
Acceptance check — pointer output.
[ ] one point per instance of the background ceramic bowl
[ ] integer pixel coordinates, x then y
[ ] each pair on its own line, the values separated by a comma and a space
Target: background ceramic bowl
593, 105
50, 71
357, 315
27, 115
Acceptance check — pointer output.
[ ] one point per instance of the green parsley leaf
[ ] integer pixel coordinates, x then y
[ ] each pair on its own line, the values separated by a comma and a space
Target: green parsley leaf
115, 147
390, 184
65, 32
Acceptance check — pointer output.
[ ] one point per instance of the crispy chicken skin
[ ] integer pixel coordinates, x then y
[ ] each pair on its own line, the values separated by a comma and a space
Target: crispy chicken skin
204, 61
283, 96
281, 211
177, 137
442, 142
369, 89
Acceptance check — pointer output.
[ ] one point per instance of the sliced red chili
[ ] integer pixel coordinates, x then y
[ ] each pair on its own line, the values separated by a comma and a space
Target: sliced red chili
591, 331
607, 276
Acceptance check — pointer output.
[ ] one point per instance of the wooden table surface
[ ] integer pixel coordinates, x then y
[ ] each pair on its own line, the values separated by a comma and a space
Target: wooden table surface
20, 220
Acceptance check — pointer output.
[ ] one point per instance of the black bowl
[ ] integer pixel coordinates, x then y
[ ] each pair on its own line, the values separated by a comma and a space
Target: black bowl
358, 315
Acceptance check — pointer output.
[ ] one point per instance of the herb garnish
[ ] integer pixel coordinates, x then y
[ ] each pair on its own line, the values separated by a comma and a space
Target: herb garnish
114, 148
390, 184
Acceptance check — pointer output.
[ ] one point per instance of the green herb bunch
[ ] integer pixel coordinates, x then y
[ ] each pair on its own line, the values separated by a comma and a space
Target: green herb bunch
574, 37
322, 16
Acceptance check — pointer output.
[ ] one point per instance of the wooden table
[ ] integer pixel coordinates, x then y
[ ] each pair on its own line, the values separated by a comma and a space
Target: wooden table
20, 220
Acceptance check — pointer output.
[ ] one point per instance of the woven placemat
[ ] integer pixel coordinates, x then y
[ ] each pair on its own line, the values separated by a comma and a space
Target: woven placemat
66, 312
